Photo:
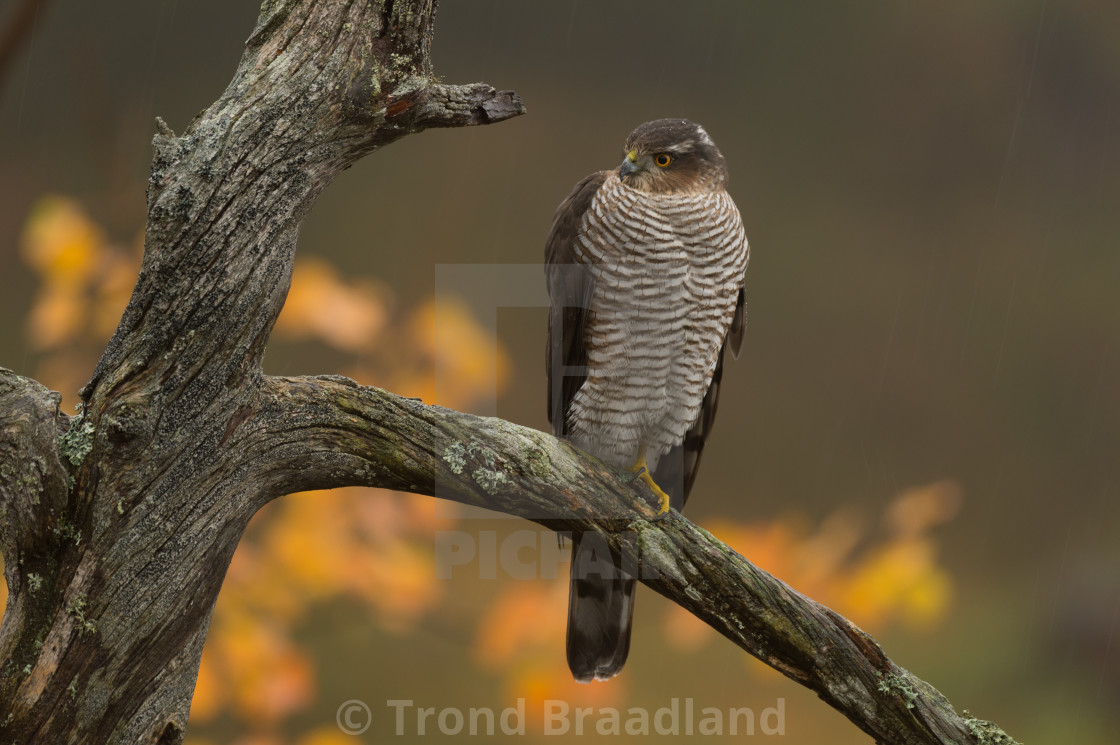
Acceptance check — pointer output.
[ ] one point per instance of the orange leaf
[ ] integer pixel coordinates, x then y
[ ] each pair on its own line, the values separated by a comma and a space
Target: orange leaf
321, 305
61, 242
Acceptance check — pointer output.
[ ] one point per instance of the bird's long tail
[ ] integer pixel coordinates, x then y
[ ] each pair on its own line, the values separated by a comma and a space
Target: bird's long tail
600, 611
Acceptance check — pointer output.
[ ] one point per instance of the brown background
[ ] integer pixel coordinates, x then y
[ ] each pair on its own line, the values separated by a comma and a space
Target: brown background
932, 194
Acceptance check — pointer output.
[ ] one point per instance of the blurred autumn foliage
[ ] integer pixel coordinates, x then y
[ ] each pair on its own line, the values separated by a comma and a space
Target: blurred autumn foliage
308, 547
376, 549
877, 578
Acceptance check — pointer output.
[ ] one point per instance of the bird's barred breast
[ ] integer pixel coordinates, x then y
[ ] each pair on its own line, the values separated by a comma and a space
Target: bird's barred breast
667, 271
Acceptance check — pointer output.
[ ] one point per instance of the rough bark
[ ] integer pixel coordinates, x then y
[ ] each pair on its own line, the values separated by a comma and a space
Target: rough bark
117, 536
117, 525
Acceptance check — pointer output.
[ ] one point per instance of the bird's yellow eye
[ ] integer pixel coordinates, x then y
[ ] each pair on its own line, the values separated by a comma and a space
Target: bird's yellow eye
663, 159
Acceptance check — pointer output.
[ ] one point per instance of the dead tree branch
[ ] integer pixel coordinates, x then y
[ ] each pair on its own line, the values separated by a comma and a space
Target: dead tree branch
117, 535
117, 525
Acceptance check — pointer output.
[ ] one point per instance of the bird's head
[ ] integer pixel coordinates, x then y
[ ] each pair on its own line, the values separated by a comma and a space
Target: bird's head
672, 155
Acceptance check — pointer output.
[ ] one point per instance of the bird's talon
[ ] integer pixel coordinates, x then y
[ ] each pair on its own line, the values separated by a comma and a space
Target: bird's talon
662, 504
658, 492
635, 475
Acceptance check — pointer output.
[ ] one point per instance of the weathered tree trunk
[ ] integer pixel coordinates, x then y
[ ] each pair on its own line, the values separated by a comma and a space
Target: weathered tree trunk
117, 537
117, 525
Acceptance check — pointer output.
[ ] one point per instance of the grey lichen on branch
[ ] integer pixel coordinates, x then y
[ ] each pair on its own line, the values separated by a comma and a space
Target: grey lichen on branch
117, 526
114, 563
326, 432
987, 733
33, 478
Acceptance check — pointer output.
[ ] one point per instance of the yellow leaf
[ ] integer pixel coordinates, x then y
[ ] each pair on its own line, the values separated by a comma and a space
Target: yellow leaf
61, 242
522, 616
208, 694
928, 599
467, 360
684, 631
892, 577
326, 736
117, 278
58, 316
321, 305
268, 676
548, 679
65, 370
915, 511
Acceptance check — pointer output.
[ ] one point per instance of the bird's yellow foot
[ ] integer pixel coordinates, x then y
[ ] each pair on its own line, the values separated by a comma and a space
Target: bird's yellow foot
641, 471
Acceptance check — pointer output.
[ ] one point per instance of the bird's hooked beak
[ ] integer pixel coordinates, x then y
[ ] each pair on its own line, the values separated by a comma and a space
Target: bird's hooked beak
629, 164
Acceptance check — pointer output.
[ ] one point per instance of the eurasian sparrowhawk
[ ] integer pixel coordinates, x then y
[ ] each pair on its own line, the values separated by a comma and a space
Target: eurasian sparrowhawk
645, 268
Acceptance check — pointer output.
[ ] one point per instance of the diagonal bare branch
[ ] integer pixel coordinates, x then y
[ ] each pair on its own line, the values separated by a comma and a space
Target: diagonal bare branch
328, 431
143, 498
130, 545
